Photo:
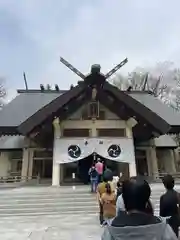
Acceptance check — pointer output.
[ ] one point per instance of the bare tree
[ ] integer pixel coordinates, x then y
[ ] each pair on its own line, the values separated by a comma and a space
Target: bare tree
175, 93
2, 92
139, 81
161, 80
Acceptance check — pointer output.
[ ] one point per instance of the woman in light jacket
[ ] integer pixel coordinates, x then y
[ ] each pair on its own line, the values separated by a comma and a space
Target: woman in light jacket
108, 201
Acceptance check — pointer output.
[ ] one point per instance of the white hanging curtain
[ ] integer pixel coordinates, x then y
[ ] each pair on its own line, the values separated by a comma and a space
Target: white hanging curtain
71, 150
116, 149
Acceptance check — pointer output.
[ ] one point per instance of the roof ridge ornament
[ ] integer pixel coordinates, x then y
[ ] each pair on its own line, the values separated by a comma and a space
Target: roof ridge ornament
94, 93
95, 74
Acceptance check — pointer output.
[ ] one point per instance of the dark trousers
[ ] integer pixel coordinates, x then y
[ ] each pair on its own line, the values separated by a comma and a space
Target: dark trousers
174, 223
99, 178
93, 184
101, 219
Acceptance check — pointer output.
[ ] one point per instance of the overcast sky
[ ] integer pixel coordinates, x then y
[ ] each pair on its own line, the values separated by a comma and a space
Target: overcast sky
35, 33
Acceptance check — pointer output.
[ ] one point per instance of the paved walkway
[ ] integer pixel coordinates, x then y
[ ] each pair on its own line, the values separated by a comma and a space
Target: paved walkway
51, 228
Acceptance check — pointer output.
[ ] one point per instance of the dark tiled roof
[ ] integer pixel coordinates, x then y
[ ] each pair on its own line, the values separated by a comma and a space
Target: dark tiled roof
171, 116
49, 111
24, 106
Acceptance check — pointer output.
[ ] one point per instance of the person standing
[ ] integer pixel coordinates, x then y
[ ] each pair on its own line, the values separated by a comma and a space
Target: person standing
99, 167
101, 189
118, 189
135, 223
108, 174
120, 206
169, 204
104, 165
93, 178
108, 201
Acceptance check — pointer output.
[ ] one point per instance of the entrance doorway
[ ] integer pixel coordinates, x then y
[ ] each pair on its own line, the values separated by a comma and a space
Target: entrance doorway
141, 162
83, 169
42, 163
85, 164
42, 168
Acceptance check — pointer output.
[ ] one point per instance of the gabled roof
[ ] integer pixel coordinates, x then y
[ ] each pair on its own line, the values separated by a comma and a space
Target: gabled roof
23, 107
31, 108
171, 116
139, 109
50, 110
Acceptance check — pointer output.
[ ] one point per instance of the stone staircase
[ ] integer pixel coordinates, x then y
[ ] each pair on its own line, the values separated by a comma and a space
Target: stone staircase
42, 201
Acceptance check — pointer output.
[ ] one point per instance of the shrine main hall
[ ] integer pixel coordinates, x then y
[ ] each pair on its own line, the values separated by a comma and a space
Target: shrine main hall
52, 134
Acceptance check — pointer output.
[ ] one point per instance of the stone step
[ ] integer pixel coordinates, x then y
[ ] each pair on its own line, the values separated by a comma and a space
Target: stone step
46, 213
49, 201
57, 194
91, 217
67, 189
43, 205
48, 210
48, 196
46, 200
44, 194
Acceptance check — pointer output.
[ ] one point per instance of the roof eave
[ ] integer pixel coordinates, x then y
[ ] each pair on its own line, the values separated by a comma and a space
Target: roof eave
9, 130
175, 129
49, 110
161, 126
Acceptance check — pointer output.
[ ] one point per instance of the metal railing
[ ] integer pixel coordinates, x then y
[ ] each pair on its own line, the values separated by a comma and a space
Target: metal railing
160, 175
17, 178
157, 176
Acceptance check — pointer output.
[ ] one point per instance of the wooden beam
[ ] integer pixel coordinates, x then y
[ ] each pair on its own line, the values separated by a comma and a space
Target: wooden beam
74, 105
142, 132
65, 112
113, 105
139, 110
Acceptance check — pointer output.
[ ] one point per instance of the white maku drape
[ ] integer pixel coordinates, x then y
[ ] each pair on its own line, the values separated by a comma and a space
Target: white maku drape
74, 149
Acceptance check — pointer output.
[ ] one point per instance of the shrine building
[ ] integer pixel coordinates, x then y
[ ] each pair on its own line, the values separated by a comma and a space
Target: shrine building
51, 134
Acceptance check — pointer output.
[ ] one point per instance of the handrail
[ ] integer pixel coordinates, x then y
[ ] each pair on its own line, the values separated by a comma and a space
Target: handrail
17, 178
159, 175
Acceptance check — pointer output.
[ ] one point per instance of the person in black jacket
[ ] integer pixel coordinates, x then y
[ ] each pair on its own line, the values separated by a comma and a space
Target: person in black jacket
108, 174
135, 223
169, 204
93, 178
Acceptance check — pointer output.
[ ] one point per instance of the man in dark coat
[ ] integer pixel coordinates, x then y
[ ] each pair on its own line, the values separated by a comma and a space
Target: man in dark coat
169, 204
108, 174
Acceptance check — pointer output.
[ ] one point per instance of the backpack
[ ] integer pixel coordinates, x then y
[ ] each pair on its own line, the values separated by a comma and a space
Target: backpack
93, 173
